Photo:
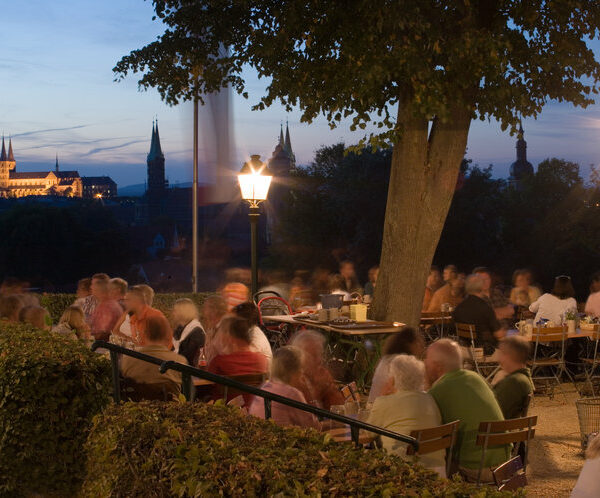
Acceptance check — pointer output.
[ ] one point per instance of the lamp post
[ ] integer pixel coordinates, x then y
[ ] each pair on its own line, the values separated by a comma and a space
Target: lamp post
254, 179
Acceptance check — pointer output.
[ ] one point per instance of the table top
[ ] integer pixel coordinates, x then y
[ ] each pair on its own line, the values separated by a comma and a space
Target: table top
577, 335
332, 328
342, 435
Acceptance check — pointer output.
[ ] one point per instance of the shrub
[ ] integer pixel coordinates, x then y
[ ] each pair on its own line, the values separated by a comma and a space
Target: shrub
50, 389
56, 304
155, 449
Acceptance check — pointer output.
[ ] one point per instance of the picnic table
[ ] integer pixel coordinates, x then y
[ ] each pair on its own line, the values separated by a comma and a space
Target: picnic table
369, 327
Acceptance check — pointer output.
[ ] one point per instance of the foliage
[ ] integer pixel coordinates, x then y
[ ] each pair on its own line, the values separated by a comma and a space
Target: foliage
46, 243
56, 304
51, 387
184, 449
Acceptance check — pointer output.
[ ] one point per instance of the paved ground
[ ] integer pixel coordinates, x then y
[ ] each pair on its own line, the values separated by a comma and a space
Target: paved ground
555, 457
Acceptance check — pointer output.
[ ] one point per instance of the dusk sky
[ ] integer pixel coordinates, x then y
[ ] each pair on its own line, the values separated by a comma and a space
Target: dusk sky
58, 96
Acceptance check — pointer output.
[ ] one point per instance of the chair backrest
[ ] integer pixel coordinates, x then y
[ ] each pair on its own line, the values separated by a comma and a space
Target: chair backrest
510, 476
466, 331
228, 393
350, 392
137, 391
442, 437
549, 335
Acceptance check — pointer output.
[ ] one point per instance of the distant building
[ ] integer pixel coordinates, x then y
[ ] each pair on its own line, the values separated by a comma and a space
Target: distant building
157, 184
521, 168
14, 183
99, 186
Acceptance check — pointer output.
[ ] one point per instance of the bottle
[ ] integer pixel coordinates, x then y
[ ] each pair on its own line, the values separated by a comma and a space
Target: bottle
201, 359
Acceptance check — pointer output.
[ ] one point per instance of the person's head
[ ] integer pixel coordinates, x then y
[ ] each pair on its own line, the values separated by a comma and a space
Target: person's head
135, 299
595, 282
99, 287
563, 287
184, 311
74, 317
474, 284
312, 344
450, 272
84, 287
11, 285
36, 316
214, 308
441, 357
486, 277
286, 365
336, 282
407, 341
117, 288
248, 311
148, 293
10, 307
347, 269
522, 279
457, 285
235, 334
408, 373
373, 274
514, 353
158, 330
434, 279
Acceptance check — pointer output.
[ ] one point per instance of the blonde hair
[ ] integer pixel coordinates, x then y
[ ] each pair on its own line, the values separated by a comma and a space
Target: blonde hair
287, 361
148, 293
184, 311
74, 317
118, 283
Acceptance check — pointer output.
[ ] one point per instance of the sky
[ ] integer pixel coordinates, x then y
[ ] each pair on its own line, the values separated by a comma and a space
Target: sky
58, 96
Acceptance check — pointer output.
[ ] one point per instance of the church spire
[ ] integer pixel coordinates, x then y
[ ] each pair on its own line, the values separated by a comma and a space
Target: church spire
155, 149
3, 153
11, 156
56, 167
288, 143
521, 145
281, 139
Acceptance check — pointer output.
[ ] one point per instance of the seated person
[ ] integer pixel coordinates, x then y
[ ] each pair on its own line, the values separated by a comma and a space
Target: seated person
36, 316
136, 302
476, 311
214, 308
404, 407
464, 395
452, 293
494, 295
407, 341
72, 324
236, 357
552, 306
523, 293
286, 369
10, 307
317, 384
107, 312
259, 343
513, 390
188, 336
157, 332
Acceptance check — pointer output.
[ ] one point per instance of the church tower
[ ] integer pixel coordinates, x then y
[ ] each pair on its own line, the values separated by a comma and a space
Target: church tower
157, 185
7, 164
521, 168
283, 160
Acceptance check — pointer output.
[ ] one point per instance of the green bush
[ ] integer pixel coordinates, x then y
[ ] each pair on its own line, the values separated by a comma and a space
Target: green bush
50, 389
155, 449
57, 303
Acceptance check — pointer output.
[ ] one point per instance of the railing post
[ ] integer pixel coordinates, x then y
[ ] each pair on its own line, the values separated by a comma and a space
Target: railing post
267, 408
354, 433
114, 362
186, 385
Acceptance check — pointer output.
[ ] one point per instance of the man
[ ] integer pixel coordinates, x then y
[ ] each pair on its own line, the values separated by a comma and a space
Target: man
513, 390
476, 311
452, 293
494, 296
157, 333
136, 303
107, 311
350, 281
89, 302
463, 395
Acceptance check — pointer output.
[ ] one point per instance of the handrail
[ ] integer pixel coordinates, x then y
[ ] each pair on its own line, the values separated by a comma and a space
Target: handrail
188, 372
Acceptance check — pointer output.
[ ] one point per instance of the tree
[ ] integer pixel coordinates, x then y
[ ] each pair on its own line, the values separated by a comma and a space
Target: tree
418, 72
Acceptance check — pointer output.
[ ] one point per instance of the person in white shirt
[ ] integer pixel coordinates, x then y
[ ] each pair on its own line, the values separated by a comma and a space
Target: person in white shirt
588, 484
259, 342
552, 306
592, 305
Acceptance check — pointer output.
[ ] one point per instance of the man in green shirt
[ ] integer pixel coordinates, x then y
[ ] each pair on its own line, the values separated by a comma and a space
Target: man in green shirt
513, 390
464, 395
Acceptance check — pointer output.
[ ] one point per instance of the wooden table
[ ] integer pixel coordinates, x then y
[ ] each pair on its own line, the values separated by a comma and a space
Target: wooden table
343, 435
577, 335
290, 320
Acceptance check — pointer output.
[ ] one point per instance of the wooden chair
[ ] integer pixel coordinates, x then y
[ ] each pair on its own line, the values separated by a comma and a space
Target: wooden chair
439, 321
350, 392
433, 439
549, 365
504, 432
229, 393
484, 365
137, 391
510, 476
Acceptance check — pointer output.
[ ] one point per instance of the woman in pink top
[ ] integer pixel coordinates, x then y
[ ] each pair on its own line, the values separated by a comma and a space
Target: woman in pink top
285, 369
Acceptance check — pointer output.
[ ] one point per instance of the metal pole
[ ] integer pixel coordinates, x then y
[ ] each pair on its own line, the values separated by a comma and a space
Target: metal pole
254, 214
114, 361
195, 204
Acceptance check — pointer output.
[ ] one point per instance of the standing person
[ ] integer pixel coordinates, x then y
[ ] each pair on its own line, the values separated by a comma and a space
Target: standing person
259, 342
349, 279
552, 306
494, 296
592, 305
234, 291
372, 283
107, 312
464, 395
523, 293
188, 334
136, 301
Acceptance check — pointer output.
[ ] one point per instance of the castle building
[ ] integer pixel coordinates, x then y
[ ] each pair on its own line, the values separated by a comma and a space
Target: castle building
521, 168
20, 184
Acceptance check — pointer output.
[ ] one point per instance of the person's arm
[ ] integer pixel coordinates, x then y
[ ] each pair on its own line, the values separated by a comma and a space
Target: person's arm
117, 328
535, 306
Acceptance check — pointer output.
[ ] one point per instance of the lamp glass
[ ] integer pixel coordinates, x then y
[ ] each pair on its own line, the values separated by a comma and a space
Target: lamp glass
254, 186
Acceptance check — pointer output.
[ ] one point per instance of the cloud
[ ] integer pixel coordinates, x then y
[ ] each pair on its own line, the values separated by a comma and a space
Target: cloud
49, 130
113, 147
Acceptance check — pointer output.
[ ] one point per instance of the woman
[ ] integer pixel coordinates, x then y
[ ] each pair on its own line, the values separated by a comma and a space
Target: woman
592, 305
407, 341
434, 282
72, 324
552, 306
405, 407
523, 293
259, 342
286, 370
214, 309
188, 334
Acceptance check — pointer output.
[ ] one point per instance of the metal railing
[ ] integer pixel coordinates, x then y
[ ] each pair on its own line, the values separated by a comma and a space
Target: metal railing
188, 372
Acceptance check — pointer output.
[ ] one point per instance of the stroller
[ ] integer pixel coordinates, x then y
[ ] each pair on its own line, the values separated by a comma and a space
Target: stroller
273, 304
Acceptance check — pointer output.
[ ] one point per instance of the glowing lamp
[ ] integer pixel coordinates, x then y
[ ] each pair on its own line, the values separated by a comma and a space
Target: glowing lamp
254, 180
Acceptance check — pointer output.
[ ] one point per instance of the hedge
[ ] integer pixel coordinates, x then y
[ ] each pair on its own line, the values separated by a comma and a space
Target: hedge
155, 449
57, 303
50, 389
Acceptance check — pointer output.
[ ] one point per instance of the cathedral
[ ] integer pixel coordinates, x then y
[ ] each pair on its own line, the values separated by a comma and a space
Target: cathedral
22, 184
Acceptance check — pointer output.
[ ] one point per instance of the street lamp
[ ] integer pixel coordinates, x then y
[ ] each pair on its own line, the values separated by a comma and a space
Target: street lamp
254, 179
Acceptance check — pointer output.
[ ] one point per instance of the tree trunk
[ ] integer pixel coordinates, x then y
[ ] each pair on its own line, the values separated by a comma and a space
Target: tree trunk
425, 166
